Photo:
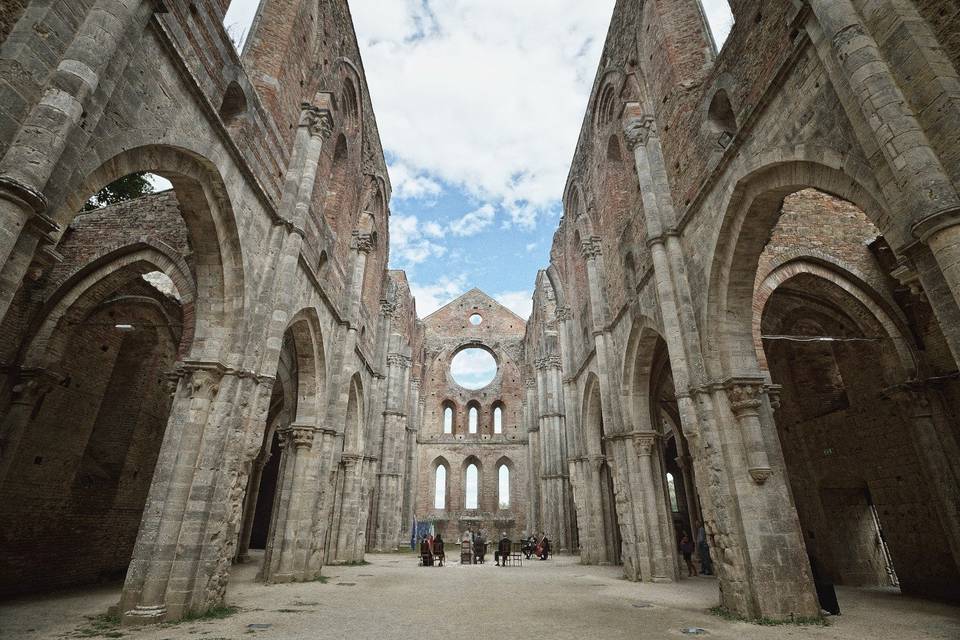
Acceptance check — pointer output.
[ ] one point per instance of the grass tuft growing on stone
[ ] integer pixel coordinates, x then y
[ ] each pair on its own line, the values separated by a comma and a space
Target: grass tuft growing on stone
105, 625
800, 621
321, 579
215, 613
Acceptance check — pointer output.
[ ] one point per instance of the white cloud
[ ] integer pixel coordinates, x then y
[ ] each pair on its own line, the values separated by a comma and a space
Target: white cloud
409, 184
474, 222
408, 242
720, 18
431, 297
486, 95
520, 302
531, 247
433, 230
473, 368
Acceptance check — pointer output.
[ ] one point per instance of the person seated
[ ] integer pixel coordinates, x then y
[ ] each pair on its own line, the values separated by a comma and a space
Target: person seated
438, 550
426, 555
503, 550
543, 549
529, 546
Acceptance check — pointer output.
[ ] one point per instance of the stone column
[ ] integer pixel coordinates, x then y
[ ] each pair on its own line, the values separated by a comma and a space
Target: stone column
392, 454
285, 555
38, 148
194, 414
28, 392
924, 187
661, 556
535, 507
348, 516
745, 401
409, 466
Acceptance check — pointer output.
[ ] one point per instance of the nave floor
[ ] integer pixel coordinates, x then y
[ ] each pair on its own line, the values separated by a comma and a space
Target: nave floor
555, 600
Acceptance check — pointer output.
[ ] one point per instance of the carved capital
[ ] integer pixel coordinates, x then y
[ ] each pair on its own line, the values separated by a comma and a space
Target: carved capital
591, 248
388, 308
911, 397
364, 242
299, 436
644, 442
530, 383
549, 362
399, 360
773, 393
318, 120
745, 397
564, 313
638, 129
906, 274
33, 384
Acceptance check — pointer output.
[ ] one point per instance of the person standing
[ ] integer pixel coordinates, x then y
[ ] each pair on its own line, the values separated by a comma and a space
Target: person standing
438, 549
703, 550
686, 548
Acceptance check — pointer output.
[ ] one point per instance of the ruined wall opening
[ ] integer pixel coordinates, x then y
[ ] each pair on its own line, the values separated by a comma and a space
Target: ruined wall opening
92, 393
851, 437
471, 485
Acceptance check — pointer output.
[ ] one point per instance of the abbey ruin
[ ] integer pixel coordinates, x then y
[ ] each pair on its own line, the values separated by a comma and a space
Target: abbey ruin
750, 318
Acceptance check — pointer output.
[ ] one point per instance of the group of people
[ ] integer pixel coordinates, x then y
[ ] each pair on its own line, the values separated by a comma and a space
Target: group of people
688, 547
431, 550
474, 548
536, 546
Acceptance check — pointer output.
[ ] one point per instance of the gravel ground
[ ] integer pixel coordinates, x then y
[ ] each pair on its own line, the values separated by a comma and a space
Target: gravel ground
555, 600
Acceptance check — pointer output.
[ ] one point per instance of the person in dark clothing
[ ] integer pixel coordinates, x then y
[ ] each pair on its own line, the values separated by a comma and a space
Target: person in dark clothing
686, 548
529, 546
543, 549
479, 548
426, 555
703, 550
503, 550
438, 550
826, 593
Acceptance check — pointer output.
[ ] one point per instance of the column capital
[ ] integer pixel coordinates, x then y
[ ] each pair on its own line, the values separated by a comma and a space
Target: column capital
317, 119
591, 248
744, 395
549, 362
564, 313
388, 308
33, 383
773, 393
644, 441
936, 222
364, 242
399, 360
530, 383
911, 397
300, 436
637, 130
22, 195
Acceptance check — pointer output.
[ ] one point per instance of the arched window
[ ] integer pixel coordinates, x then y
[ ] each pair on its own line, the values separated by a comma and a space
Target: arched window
473, 487
504, 484
672, 491
448, 419
472, 419
498, 420
440, 488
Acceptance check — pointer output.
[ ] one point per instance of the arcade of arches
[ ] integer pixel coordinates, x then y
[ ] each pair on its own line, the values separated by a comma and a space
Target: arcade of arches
750, 319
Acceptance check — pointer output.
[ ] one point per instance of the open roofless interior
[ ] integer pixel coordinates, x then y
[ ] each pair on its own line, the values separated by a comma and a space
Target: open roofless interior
736, 398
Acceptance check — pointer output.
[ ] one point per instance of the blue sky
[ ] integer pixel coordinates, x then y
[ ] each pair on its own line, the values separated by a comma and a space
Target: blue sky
479, 105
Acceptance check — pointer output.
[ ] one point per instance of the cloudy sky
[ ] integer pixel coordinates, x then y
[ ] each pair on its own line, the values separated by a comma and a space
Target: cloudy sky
479, 105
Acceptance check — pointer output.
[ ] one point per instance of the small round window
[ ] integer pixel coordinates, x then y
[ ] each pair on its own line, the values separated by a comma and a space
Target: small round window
476, 319
473, 368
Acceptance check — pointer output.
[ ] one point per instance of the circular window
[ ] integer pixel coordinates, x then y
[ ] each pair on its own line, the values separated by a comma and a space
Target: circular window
476, 319
473, 368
